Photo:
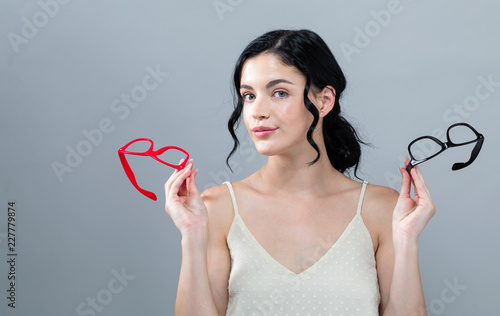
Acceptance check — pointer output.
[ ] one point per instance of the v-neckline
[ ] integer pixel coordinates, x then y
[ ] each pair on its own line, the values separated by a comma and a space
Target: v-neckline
280, 265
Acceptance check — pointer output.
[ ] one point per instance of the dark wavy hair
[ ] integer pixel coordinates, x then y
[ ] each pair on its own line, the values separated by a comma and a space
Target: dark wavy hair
306, 51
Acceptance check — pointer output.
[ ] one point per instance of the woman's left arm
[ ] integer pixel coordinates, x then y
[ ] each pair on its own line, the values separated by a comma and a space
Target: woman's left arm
405, 295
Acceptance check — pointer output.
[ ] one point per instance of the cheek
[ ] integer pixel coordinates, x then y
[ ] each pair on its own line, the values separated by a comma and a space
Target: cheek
246, 116
298, 115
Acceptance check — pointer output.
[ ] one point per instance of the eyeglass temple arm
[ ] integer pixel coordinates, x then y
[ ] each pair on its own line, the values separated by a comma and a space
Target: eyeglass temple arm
132, 179
409, 167
473, 156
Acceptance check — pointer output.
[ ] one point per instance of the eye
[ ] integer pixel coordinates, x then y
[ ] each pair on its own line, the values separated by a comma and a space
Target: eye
248, 97
280, 94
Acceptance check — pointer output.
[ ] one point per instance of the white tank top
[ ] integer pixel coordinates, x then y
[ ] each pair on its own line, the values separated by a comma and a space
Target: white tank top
342, 282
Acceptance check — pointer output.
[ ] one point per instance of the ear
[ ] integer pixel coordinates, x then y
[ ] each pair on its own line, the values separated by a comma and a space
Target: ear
326, 100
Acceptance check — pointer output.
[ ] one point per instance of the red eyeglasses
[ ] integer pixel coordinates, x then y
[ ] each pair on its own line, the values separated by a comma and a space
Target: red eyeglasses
152, 153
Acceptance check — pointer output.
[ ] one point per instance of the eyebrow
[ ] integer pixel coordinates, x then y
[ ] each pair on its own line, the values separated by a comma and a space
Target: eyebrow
269, 84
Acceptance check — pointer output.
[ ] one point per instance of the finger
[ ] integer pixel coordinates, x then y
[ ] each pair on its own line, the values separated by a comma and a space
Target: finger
420, 186
407, 162
419, 181
405, 183
172, 177
184, 187
169, 193
175, 189
191, 184
179, 185
425, 199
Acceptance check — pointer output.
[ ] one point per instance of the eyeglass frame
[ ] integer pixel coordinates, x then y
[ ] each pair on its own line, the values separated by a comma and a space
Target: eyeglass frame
449, 144
152, 153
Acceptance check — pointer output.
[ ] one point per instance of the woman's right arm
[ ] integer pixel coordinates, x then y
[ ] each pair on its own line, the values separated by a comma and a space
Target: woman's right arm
204, 274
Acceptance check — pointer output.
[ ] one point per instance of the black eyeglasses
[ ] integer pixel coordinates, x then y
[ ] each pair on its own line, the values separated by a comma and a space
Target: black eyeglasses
459, 134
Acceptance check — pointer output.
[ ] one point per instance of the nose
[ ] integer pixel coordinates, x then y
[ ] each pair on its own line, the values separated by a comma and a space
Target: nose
261, 109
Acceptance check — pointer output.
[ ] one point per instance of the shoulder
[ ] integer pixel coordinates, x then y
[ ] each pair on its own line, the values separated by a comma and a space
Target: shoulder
380, 199
219, 206
378, 206
216, 196
377, 199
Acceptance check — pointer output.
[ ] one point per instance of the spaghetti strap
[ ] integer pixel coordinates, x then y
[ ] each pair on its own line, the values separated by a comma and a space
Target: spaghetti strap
232, 197
360, 203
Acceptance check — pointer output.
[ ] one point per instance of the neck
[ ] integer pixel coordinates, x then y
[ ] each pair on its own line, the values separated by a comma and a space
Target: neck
292, 175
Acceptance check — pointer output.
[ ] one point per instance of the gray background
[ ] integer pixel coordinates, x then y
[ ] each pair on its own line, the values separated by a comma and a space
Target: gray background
63, 65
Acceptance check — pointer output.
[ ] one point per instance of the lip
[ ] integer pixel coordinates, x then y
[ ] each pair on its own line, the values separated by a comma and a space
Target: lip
263, 131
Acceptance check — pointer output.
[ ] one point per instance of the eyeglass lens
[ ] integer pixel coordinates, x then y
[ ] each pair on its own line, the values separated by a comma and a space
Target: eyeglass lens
461, 134
172, 156
425, 148
139, 146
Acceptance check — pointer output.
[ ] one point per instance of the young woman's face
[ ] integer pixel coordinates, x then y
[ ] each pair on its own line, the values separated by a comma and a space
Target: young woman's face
273, 106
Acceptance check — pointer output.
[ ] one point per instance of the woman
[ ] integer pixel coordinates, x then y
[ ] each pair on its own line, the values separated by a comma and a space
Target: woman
297, 237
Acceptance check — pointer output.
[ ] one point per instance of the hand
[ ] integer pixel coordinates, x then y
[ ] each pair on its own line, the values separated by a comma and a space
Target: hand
412, 214
184, 204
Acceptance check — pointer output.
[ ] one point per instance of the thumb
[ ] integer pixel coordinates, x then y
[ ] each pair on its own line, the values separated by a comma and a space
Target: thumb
405, 183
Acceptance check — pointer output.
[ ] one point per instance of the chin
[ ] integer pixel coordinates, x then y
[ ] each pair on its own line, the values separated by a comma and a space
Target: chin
271, 148
265, 151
